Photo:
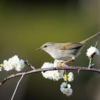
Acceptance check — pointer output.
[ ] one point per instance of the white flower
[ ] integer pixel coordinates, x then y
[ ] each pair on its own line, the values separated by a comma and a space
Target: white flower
53, 75
70, 77
47, 73
91, 51
58, 74
66, 89
13, 63
20, 65
7, 66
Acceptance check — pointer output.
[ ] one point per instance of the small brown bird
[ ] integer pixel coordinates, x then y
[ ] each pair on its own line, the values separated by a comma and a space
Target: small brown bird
65, 51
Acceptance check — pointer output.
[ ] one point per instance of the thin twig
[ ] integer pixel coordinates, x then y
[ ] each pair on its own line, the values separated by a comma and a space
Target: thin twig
90, 63
17, 86
29, 64
50, 69
96, 44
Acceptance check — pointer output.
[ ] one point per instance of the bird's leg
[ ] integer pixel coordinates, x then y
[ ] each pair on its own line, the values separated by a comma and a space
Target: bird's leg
63, 63
70, 60
59, 64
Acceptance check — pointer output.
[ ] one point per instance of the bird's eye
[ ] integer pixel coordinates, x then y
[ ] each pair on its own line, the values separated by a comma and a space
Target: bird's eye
45, 46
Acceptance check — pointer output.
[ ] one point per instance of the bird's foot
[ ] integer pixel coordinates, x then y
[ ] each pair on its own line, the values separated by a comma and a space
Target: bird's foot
59, 63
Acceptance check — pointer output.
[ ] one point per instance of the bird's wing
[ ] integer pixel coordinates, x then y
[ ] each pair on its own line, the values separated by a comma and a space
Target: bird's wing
72, 45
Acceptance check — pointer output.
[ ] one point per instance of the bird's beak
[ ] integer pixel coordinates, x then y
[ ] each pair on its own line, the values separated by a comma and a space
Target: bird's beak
39, 48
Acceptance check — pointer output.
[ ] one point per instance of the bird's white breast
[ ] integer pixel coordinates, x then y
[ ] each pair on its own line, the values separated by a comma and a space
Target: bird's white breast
61, 54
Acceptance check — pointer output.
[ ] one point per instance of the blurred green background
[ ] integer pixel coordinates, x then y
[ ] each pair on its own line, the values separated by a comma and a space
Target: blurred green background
26, 24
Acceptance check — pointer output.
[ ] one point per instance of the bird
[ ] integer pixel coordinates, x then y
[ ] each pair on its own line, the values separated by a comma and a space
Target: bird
65, 51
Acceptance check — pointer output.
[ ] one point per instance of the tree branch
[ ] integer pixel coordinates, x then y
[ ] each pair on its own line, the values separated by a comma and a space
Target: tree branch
78, 68
17, 86
29, 64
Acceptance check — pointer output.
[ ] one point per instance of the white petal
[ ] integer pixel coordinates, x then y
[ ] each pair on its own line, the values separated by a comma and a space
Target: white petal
46, 65
91, 51
69, 92
53, 75
64, 84
70, 77
66, 89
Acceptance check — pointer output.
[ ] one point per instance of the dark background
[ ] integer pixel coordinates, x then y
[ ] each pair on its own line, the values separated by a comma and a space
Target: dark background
25, 25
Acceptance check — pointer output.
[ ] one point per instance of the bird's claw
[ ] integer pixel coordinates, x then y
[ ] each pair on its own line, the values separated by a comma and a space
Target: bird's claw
61, 64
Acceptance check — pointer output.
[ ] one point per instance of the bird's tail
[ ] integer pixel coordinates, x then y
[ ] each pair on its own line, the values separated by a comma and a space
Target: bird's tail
84, 41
